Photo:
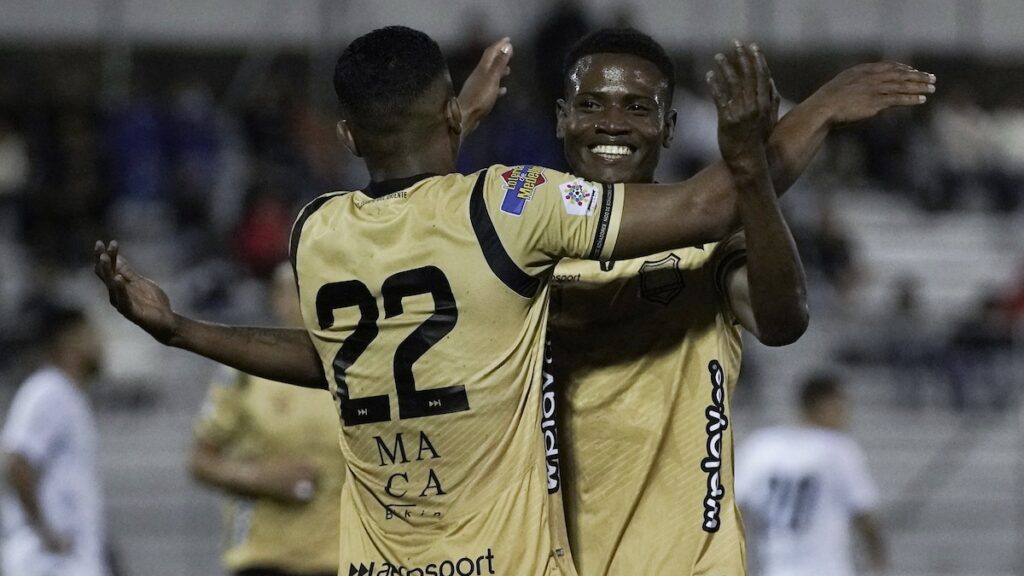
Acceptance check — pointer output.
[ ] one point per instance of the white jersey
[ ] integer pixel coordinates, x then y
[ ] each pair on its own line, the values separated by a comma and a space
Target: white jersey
50, 424
803, 486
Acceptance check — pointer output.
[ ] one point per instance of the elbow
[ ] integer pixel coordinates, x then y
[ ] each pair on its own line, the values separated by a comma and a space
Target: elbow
787, 330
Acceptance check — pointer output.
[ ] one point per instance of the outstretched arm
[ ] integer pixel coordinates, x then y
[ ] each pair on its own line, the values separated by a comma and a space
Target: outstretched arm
768, 294
281, 354
704, 208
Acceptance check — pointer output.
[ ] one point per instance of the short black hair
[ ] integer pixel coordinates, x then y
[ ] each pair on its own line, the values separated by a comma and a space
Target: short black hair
55, 320
622, 41
384, 71
818, 387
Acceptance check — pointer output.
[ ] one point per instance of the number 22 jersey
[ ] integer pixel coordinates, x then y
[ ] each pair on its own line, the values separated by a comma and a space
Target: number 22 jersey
426, 299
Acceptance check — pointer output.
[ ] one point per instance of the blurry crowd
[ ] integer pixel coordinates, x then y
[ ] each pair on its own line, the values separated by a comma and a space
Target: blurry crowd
211, 155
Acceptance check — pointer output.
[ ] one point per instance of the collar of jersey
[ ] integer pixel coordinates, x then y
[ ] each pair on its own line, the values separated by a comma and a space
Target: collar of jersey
385, 187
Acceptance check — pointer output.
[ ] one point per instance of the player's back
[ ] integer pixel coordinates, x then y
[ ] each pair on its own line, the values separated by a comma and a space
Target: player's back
426, 300
803, 484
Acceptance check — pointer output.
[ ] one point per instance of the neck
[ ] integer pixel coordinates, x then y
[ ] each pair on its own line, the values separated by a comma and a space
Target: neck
74, 370
427, 152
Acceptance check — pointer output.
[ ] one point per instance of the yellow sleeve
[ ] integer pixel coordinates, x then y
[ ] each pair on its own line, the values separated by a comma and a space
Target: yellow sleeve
543, 215
222, 414
726, 256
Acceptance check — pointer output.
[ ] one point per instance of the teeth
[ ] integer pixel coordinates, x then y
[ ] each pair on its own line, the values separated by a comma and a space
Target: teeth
607, 150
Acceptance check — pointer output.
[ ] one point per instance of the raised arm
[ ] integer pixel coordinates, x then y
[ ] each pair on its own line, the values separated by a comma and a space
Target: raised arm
767, 293
482, 89
280, 354
704, 208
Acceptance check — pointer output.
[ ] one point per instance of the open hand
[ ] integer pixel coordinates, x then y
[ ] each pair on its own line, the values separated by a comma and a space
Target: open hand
136, 297
483, 87
861, 92
741, 86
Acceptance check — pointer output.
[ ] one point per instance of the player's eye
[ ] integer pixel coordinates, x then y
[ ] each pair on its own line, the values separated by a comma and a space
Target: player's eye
639, 109
588, 105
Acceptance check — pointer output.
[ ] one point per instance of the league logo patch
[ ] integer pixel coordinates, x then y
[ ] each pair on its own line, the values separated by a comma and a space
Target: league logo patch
580, 196
520, 184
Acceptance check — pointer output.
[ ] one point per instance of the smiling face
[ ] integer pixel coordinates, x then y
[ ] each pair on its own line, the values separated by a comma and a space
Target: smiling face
615, 118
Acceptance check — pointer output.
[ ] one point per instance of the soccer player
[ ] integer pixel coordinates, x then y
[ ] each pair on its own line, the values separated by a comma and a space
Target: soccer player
647, 350
440, 394
806, 486
274, 450
53, 512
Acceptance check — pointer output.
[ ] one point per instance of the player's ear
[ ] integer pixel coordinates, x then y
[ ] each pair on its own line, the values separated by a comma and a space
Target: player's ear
453, 115
670, 128
561, 117
346, 138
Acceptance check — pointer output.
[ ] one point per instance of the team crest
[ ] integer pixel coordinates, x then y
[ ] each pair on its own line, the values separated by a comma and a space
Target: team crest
520, 184
579, 196
661, 281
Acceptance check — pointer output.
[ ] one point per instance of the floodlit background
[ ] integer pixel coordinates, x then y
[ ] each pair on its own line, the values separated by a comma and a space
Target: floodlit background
191, 130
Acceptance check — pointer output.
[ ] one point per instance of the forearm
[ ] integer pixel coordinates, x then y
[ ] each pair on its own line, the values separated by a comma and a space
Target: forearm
23, 478
237, 477
280, 354
873, 540
795, 141
775, 276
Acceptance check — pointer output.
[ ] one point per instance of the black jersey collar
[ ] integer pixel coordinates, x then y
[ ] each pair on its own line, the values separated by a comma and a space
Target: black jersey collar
385, 187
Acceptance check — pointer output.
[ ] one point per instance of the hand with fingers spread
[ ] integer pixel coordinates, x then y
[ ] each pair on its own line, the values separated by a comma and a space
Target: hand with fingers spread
136, 297
742, 89
861, 92
482, 89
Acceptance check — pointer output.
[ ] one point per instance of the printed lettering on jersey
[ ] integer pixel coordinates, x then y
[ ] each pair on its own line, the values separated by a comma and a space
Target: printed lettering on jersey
479, 565
580, 196
717, 424
520, 184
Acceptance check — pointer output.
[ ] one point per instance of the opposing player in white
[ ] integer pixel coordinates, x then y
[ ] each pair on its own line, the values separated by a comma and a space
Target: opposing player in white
802, 488
52, 509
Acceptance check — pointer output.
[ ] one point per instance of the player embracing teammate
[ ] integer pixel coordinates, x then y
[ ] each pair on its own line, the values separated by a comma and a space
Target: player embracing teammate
425, 301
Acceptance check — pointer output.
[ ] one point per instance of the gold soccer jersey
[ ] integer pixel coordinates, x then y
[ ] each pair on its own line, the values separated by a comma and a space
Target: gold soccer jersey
427, 301
252, 418
647, 354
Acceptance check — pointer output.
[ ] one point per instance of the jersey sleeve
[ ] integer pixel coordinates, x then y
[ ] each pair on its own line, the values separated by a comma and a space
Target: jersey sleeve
728, 255
222, 414
861, 492
542, 215
36, 423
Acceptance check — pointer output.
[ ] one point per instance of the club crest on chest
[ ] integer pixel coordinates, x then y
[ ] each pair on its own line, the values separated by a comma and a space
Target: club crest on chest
660, 280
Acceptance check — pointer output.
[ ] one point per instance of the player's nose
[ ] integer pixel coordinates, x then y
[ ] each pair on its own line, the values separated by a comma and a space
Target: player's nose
611, 121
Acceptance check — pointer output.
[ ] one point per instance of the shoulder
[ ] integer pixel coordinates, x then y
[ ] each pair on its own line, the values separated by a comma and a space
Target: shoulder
44, 385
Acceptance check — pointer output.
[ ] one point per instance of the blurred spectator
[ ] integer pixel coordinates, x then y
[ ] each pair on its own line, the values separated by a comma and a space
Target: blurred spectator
261, 241
15, 171
980, 356
977, 150
826, 249
53, 514
273, 449
804, 487
193, 154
